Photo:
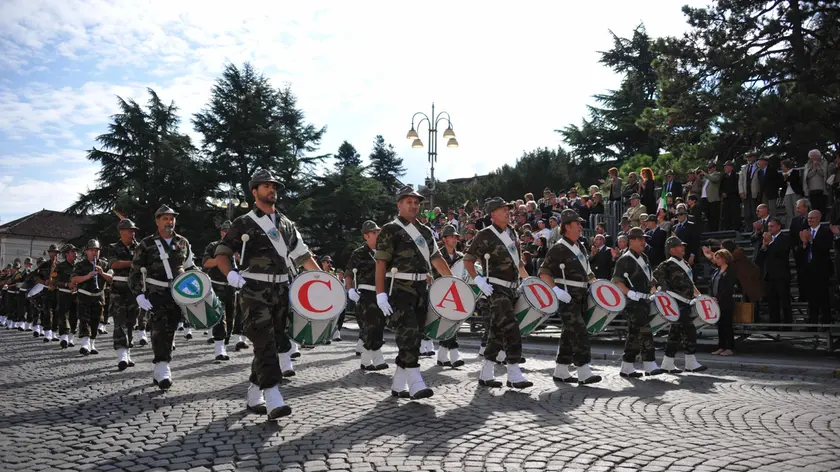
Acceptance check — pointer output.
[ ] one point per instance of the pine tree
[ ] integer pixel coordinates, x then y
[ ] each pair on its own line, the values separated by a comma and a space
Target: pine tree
347, 156
385, 166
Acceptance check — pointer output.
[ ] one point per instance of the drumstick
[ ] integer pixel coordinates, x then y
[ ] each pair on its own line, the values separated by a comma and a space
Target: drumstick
245, 239
143, 281
627, 276
563, 273
355, 279
393, 278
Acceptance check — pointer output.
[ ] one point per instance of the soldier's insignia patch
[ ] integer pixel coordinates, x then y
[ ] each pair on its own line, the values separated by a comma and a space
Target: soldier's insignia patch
419, 241
512, 248
274, 234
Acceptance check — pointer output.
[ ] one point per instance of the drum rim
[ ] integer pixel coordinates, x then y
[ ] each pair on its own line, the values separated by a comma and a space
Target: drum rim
528, 300
697, 315
621, 296
663, 293
206, 288
292, 307
434, 309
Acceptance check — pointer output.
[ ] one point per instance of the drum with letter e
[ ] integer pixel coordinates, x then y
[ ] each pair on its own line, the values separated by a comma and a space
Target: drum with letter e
705, 311
663, 311
193, 292
450, 303
317, 299
536, 303
605, 302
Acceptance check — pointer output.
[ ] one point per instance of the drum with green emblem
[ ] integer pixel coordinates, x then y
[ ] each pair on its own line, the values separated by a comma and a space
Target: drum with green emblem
193, 292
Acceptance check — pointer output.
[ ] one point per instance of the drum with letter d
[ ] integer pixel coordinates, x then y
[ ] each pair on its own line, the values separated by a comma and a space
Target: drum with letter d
193, 292
317, 299
705, 311
450, 303
536, 303
605, 302
663, 311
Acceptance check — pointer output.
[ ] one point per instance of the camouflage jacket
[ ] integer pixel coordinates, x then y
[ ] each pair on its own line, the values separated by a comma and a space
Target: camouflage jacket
147, 255
448, 259
260, 255
636, 279
213, 272
501, 263
573, 269
119, 252
95, 284
635, 213
396, 247
671, 277
362, 260
64, 270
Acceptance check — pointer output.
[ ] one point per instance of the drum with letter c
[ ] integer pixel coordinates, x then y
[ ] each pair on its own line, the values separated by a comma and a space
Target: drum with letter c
450, 303
605, 302
663, 311
536, 303
706, 311
317, 298
193, 292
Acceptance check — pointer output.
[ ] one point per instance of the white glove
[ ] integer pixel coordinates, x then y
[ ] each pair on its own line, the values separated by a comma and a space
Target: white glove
692, 302
382, 301
562, 295
484, 285
353, 294
235, 279
143, 302
635, 296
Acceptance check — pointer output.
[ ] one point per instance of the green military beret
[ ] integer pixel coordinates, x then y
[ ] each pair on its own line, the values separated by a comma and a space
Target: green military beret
369, 226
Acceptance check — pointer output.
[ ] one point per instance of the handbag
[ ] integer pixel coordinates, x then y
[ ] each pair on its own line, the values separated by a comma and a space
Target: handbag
743, 312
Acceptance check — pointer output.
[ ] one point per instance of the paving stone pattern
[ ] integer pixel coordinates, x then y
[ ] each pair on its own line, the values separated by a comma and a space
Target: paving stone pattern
61, 411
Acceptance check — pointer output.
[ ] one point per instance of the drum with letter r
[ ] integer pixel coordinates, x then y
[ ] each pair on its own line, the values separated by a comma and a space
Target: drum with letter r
605, 302
317, 298
705, 311
663, 311
535, 305
450, 303
193, 292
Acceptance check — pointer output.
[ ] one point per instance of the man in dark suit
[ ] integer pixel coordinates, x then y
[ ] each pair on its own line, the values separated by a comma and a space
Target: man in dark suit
759, 228
672, 186
797, 224
688, 233
814, 248
600, 258
774, 257
601, 229
655, 236
695, 213
730, 210
770, 183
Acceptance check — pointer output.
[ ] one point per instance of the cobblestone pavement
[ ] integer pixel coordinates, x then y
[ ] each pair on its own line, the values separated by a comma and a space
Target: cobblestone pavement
61, 411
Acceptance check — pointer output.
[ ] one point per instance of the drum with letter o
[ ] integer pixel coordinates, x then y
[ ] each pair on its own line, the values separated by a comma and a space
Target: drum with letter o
706, 311
450, 303
317, 298
536, 303
193, 292
663, 311
605, 302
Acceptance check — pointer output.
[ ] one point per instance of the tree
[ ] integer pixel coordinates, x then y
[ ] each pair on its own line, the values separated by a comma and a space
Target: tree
385, 166
347, 156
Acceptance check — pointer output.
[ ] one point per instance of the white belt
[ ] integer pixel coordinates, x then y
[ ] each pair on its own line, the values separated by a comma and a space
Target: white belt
369, 288
273, 278
90, 294
23, 290
678, 298
503, 283
120, 278
571, 283
408, 276
65, 290
158, 283
218, 283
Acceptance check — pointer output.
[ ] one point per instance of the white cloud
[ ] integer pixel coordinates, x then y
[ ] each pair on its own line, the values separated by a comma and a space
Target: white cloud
51, 190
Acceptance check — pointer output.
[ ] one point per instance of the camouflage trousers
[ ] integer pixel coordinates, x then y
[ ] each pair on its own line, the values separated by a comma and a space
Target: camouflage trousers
226, 296
360, 319
639, 334
451, 343
142, 319
683, 332
371, 321
504, 327
163, 321
574, 340
123, 309
89, 311
265, 311
65, 313
407, 320
482, 309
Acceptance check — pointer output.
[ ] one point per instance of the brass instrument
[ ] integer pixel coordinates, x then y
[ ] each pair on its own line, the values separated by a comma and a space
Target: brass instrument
53, 274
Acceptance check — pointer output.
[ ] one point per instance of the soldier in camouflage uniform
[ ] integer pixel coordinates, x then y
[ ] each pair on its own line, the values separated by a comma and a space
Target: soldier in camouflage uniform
448, 355
566, 269
47, 298
635, 210
360, 282
11, 284
121, 304
225, 292
65, 311
503, 271
24, 309
90, 278
272, 253
675, 277
633, 276
165, 255
405, 253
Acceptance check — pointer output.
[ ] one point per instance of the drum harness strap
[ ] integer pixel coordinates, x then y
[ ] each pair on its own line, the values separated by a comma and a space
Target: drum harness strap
584, 262
65, 290
367, 287
276, 239
119, 278
571, 283
422, 247
687, 270
504, 237
91, 294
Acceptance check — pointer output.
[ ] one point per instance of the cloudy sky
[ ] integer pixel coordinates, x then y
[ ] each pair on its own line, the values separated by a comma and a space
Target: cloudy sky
508, 75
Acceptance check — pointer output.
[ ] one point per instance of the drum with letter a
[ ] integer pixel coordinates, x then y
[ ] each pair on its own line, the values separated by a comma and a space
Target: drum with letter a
193, 292
705, 311
605, 302
450, 303
535, 305
317, 299
663, 311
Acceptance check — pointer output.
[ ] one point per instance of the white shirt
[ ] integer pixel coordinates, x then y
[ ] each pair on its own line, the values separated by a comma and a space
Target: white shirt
703, 193
545, 233
789, 190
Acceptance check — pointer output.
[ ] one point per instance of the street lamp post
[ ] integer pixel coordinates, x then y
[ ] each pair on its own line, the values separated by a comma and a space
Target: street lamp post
432, 122
229, 203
